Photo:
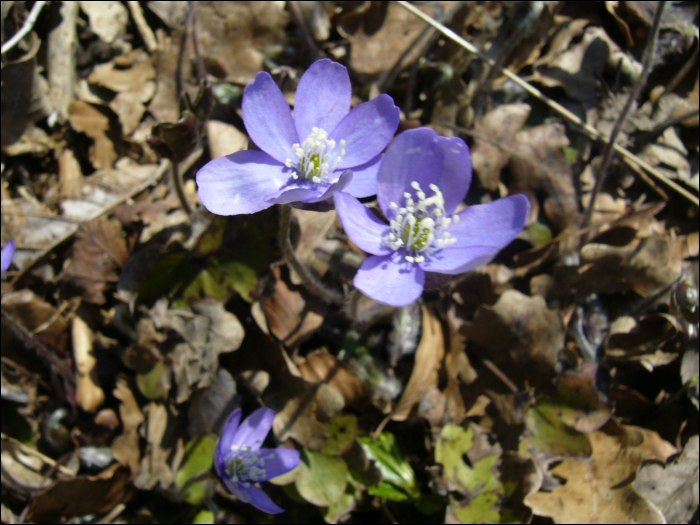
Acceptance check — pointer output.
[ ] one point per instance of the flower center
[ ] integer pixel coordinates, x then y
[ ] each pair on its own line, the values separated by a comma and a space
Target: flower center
316, 156
419, 226
244, 466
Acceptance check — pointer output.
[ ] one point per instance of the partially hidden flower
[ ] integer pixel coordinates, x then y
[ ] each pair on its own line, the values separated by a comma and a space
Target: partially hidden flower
241, 462
422, 180
305, 158
7, 253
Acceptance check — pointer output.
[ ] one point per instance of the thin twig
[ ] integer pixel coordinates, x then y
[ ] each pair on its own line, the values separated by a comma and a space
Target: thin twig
299, 19
314, 286
26, 28
607, 154
423, 40
532, 90
144, 30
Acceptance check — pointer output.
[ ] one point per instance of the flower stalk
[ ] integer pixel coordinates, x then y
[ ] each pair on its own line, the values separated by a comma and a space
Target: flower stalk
312, 283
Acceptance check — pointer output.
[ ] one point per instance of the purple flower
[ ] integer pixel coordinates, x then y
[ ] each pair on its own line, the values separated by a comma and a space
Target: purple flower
240, 462
7, 253
324, 148
422, 180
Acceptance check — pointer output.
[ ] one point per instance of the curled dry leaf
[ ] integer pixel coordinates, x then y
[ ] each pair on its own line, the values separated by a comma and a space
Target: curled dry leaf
322, 367
429, 358
673, 489
598, 490
88, 393
25, 95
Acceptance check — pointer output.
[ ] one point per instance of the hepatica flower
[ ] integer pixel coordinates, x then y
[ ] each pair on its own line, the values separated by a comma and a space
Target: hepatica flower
422, 180
7, 253
323, 148
240, 462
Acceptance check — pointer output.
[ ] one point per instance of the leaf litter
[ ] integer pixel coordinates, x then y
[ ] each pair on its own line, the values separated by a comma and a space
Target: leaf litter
559, 381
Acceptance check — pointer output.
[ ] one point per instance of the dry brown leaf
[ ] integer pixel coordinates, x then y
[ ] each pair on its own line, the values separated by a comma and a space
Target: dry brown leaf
322, 367
154, 468
134, 86
313, 230
67, 498
429, 356
539, 164
98, 253
47, 324
108, 19
291, 317
579, 68
234, 36
521, 335
643, 266
210, 408
673, 488
125, 447
380, 35
207, 331
643, 342
301, 407
493, 141
600, 490
88, 119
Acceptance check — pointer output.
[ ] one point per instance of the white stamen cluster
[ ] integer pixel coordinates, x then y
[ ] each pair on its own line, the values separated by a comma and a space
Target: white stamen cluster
419, 227
243, 466
316, 156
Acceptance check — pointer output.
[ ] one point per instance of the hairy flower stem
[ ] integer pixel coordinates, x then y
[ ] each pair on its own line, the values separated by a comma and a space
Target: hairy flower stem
177, 184
312, 283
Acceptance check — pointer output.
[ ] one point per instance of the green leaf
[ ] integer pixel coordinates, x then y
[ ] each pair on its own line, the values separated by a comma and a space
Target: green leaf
204, 516
342, 430
478, 481
549, 436
398, 479
154, 385
322, 479
200, 458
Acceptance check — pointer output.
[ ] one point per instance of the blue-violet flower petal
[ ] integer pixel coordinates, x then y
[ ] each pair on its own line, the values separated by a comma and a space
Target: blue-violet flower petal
308, 153
7, 253
421, 181
241, 462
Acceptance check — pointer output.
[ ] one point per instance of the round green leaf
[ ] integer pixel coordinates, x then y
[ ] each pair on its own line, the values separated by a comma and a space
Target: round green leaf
322, 479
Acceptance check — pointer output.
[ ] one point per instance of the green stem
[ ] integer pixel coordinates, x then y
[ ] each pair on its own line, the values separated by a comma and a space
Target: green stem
312, 283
